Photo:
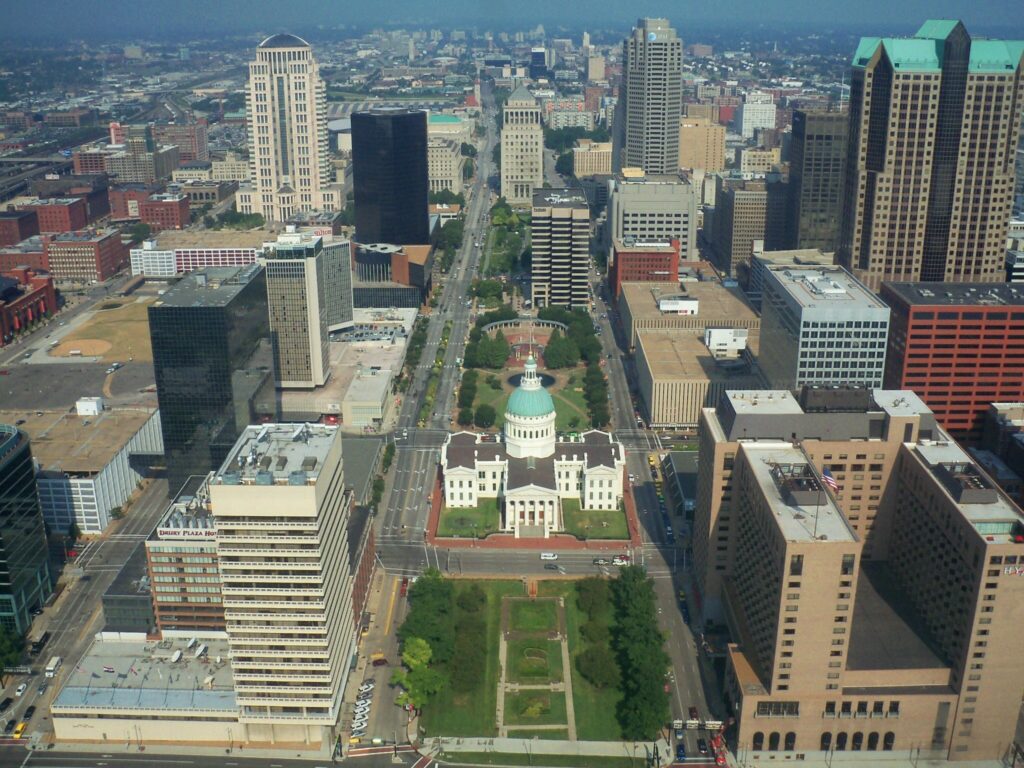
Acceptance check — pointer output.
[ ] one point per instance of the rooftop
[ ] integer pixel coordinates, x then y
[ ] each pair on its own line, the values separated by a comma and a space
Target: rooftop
886, 633
188, 515
142, 675
440, 119
820, 287
803, 508
924, 51
284, 41
685, 356
171, 240
959, 294
77, 445
369, 386
277, 454
763, 401
797, 258
83, 236
559, 198
643, 246
210, 287
715, 301
44, 201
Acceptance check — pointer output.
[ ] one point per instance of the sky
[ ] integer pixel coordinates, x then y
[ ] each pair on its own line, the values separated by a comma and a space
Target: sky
154, 19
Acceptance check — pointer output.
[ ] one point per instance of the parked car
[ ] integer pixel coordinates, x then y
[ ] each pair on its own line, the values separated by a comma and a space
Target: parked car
380, 662
21, 689
600, 561
680, 752
405, 587
29, 712
11, 725
702, 746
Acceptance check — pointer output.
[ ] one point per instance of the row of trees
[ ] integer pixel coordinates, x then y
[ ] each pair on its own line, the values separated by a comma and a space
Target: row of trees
640, 650
581, 333
448, 239
446, 197
595, 390
597, 663
443, 640
482, 351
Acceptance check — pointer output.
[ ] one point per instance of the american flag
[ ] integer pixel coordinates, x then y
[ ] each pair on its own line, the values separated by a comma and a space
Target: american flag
830, 481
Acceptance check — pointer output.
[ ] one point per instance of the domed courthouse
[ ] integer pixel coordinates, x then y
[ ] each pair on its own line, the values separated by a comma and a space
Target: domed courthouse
528, 469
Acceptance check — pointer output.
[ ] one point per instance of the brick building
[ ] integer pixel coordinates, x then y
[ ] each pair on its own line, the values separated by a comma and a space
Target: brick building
959, 346
127, 199
25, 296
165, 211
28, 253
16, 226
93, 188
89, 161
59, 214
86, 256
642, 261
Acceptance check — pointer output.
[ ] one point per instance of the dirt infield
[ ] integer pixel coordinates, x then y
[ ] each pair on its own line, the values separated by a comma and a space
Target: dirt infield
117, 331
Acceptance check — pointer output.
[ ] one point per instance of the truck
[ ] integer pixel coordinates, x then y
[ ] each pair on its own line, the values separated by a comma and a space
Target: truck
52, 666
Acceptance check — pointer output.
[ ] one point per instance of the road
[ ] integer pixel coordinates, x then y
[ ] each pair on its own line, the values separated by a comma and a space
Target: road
77, 615
17, 757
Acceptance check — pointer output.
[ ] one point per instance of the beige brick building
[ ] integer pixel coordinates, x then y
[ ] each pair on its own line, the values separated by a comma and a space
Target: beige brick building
868, 573
701, 144
592, 158
444, 165
690, 307
522, 148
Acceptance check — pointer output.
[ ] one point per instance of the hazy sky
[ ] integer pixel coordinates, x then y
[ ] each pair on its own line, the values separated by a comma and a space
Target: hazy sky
154, 18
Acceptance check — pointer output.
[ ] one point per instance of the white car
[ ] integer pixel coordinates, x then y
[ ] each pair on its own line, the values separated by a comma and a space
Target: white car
367, 687
21, 689
359, 723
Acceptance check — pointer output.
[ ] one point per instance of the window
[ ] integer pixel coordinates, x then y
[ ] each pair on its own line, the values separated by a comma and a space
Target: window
826, 742
773, 741
857, 742
888, 741
841, 742
796, 565
758, 743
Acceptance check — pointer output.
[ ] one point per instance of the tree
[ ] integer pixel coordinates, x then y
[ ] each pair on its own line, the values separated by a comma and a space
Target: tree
597, 665
446, 197
73, 532
465, 417
468, 150
564, 165
418, 685
560, 352
497, 351
484, 416
11, 647
432, 605
593, 595
140, 231
472, 599
416, 653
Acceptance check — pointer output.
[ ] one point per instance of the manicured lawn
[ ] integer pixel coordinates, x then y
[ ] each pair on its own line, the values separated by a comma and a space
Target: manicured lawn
556, 761
472, 714
569, 404
594, 708
535, 708
603, 523
469, 522
534, 661
554, 734
533, 616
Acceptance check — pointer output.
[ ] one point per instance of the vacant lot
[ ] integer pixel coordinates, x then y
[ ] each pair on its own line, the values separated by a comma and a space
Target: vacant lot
118, 331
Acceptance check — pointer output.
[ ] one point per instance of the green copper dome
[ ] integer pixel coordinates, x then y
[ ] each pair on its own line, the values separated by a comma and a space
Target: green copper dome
530, 399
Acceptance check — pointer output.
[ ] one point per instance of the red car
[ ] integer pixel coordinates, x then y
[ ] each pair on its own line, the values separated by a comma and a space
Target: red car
405, 587
380, 662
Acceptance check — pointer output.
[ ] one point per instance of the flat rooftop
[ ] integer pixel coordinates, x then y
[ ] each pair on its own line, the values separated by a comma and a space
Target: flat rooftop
764, 401
798, 257
715, 301
899, 402
809, 521
210, 287
824, 287
50, 201
32, 244
643, 246
684, 356
960, 294
188, 515
370, 386
277, 454
886, 633
77, 445
140, 675
173, 240
559, 198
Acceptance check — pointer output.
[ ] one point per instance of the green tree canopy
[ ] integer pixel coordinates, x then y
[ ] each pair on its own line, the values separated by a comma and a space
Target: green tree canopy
563, 165
485, 416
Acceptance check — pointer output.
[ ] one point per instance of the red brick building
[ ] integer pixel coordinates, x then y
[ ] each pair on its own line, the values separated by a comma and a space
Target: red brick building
958, 346
643, 262
15, 226
59, 214
165, 212
126, 199
89, 161
85, 257
25, 296
93, 188
28, 253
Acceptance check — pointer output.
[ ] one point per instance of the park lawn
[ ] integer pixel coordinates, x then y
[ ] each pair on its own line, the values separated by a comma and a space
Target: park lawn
472, 714
533, 616
555, 761
470, 522
534, 661
604, 523
124, 327
496, 398
570, 405
551, 708
594, 708
552, 734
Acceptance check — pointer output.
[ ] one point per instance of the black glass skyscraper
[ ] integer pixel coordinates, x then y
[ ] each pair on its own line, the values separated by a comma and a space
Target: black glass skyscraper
389, 163
211, 354
24, 568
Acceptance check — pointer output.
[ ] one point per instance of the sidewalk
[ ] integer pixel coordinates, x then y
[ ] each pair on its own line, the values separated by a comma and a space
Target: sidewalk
536, 747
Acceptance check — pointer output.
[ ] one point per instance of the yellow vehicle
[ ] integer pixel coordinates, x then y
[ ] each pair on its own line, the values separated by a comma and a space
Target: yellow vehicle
19, 730
376, 655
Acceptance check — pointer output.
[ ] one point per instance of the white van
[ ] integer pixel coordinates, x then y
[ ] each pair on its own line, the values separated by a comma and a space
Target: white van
548, 556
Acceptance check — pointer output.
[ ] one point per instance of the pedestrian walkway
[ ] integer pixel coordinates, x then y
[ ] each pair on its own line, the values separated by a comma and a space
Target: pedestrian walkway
538, 747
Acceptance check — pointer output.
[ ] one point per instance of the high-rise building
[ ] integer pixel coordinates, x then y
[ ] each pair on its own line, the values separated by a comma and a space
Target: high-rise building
817, 161
934, 122
592, 158
639, 261
560, 238
959, 348
654, 208
538, 63
701, 145
746, 212
867, 571
756, 113
390, 174
281, 512
191, 139
211, 357
24, 557
297, 300
445, 165
652, 97
522, 148
821, 327
287, 126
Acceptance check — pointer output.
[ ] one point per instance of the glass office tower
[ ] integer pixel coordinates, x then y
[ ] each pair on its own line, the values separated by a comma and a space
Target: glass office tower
24, 567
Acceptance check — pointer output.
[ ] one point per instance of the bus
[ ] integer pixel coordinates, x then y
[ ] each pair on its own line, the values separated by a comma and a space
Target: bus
52, 666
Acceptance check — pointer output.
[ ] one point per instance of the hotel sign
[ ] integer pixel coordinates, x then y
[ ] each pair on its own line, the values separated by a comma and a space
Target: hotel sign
1013, 570
186, 533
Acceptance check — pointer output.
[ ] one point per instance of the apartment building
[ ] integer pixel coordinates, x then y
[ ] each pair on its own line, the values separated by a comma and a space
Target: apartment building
522, 148
866, 570
654, 208
592, 158
281, 512
560, 238
701, 144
